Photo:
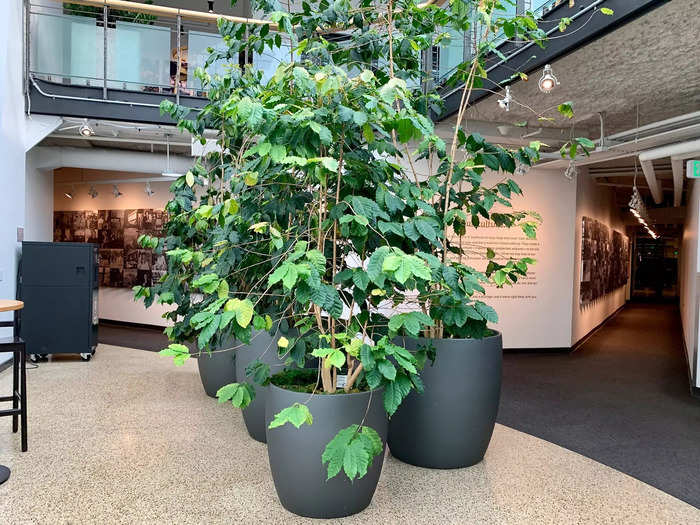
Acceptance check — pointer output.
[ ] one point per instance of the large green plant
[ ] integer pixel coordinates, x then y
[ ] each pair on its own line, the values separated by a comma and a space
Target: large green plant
313, 208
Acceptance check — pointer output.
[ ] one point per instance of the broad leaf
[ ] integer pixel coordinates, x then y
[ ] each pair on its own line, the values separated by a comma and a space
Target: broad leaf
297, 415
240, 394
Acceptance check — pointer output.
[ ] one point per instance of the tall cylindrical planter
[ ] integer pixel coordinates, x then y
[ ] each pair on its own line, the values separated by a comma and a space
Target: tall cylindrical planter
218, 368
295, 453
263, 346
451, 423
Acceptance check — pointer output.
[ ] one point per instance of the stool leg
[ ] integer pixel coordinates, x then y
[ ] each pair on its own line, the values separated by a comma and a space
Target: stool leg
16, 356
23, 394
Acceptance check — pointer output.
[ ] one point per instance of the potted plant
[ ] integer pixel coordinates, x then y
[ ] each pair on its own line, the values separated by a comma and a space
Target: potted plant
451, 423
212, 230
326, 140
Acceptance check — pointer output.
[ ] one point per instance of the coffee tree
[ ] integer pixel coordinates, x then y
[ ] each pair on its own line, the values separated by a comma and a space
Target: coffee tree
312, 211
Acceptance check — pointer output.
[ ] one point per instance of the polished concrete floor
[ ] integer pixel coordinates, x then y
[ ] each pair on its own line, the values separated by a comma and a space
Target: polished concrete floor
129, 438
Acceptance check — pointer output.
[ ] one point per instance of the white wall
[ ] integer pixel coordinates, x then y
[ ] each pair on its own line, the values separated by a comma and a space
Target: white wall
38, 201
536, 313
11, 150
688, 276
596, 202
115, 304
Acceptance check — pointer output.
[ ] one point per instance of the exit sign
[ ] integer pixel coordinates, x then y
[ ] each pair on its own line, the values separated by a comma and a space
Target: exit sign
692, 169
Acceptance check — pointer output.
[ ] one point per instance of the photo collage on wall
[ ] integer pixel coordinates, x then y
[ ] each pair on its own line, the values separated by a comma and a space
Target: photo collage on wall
123, 263
604, 260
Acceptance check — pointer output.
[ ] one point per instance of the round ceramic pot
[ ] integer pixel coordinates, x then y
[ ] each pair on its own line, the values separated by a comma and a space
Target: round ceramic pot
263, 346
217, 369
451, 423
295, 453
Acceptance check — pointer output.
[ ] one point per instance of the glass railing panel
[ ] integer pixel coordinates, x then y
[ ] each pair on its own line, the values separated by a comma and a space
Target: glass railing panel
542, 7
269, 60
66, 49
451, 54
138, 57
197, 44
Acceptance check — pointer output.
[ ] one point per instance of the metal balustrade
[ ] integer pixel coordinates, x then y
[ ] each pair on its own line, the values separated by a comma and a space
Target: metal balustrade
70, 45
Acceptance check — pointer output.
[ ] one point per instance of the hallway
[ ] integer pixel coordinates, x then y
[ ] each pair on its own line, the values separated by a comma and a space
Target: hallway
622, 399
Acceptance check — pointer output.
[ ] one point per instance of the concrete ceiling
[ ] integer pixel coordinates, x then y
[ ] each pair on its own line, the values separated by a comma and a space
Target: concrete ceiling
651, 62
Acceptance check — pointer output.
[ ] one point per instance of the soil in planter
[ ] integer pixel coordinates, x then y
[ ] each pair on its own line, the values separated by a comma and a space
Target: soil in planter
307, 381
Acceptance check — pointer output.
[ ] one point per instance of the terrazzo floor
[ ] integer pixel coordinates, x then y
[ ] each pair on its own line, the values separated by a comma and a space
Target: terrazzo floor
129, 438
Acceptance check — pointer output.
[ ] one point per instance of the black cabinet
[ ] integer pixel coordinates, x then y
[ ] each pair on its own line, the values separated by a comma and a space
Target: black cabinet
59, 287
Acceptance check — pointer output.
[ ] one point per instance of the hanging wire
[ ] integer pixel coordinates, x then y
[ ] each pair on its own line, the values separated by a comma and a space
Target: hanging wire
636, 150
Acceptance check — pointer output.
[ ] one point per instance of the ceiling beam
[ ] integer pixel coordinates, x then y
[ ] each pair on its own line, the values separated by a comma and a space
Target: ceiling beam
677, 166
650, 176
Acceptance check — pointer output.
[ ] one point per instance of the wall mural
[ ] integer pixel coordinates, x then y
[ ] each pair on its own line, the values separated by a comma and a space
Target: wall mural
604, 260
123, 264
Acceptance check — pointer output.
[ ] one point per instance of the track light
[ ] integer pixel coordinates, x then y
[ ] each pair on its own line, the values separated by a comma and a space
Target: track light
211, 6
548, 81
116, 192
92, 192
522, 168
86, 130
149, 191
504, 103
68, 194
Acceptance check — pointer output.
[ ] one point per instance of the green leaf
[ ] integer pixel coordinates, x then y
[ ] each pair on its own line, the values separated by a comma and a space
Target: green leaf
486, 311
240, 394
425, 228
179, 353
387, 369
391, 263
259, 371
359, 117
368, 133
242, 308
367, 357
223, 289
333, 356
330, 163
208, 332
360, 278
287, 273
395, 392
352, 451
566, 109
322, 131
278, 152
297, 415
607, 11
366, 76
208, 283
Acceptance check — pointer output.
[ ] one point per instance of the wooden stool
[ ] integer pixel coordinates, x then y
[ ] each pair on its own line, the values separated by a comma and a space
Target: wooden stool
15, 345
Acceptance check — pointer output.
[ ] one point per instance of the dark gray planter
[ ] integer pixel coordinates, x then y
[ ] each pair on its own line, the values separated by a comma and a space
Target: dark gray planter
262, 346
217, 369
295, 454
450, 424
